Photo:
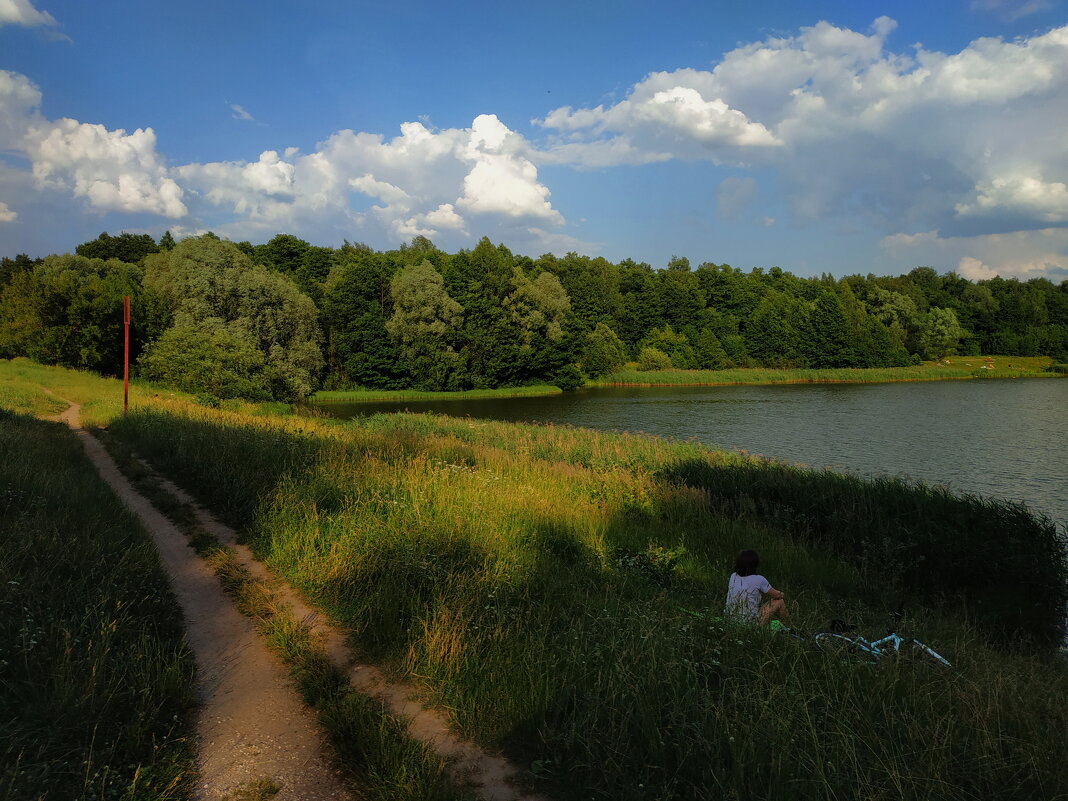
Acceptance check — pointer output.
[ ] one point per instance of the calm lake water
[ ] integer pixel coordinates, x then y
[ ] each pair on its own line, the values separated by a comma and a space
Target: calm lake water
1005, 438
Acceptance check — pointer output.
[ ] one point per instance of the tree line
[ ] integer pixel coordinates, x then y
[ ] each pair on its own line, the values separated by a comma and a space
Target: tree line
279, 319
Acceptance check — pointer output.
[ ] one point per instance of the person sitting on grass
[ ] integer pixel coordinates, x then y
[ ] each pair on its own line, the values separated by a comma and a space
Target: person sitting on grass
744, 591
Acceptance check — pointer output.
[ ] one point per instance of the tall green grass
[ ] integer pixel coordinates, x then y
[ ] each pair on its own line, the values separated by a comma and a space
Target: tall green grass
373, 749
95, 677
536, 581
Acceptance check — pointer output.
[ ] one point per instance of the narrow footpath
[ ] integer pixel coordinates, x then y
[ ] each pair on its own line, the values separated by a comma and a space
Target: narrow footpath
251, 724
491, 777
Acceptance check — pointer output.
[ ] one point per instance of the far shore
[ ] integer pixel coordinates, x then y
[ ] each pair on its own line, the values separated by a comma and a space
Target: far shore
973, 368
954, 368
391, 395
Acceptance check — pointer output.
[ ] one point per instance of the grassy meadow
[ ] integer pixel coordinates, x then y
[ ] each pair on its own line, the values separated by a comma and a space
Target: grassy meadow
539, 583
955, 367
95, 677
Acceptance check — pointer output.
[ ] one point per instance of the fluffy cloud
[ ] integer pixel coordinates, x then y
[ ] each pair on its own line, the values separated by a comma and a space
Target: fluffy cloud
1020, 254
661, 118
501, 181
258, 191
7, 215
422, 182
1020, 194
19, 101
113, 170
22, 12
971, 142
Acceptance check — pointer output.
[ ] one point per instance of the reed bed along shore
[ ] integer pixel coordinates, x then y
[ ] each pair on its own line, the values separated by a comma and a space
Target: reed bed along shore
95, 677
958, 367
539, 582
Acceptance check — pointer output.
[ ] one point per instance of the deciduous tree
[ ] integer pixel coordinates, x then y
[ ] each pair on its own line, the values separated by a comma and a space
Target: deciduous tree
424, 325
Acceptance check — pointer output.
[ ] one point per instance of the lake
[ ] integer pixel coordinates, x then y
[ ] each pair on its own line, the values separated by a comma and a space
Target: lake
1005, 438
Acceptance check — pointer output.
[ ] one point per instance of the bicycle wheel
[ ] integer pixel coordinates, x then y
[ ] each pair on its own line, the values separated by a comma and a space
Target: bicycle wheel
926, 652
845, 645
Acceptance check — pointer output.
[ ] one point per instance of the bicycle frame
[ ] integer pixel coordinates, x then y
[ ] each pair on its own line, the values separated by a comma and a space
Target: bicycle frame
892, 642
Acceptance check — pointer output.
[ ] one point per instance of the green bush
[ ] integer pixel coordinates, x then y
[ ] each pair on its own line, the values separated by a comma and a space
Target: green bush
568, 378
652, 359
208, 358
603, 351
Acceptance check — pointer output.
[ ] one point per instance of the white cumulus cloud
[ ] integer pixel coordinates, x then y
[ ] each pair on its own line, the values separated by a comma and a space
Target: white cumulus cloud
7, 215
1020, 254
969, 142
110, 169
422, 182
19, 101
22, 12
113, 170
1022, 194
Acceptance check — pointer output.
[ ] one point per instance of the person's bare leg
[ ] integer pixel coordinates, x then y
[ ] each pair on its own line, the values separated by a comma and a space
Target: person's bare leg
772, 610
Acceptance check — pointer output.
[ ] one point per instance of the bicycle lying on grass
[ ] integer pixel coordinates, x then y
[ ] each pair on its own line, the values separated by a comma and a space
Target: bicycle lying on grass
839, 637
893, 644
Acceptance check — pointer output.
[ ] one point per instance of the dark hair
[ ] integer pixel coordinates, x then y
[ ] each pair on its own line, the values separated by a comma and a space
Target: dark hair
747, 563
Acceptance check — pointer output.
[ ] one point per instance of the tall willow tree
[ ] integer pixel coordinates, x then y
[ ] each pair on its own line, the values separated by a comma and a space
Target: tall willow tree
424, 325
540, 309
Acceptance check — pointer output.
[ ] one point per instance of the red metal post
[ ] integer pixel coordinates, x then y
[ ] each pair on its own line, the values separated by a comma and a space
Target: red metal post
125, 353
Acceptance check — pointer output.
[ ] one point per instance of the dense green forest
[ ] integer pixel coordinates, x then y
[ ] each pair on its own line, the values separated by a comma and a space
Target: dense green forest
280, 319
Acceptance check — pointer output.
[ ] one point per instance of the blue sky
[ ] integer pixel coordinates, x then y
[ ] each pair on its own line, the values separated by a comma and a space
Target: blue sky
819, 137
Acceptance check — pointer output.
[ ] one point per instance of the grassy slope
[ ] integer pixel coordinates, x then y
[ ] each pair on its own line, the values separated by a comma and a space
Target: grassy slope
534, 578
95, 678
957, 367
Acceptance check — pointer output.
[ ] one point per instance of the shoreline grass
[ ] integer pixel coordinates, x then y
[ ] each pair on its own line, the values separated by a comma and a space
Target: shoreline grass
958, 368
97, 679
400, 395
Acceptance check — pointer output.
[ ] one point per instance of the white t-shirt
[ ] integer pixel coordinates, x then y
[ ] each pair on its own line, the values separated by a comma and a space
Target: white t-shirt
743, 596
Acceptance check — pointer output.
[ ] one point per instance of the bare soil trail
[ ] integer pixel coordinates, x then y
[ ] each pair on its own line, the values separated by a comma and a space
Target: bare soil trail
251, 724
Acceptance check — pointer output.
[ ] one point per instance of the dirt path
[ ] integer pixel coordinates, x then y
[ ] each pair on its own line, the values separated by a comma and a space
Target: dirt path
491, 777
251, 724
